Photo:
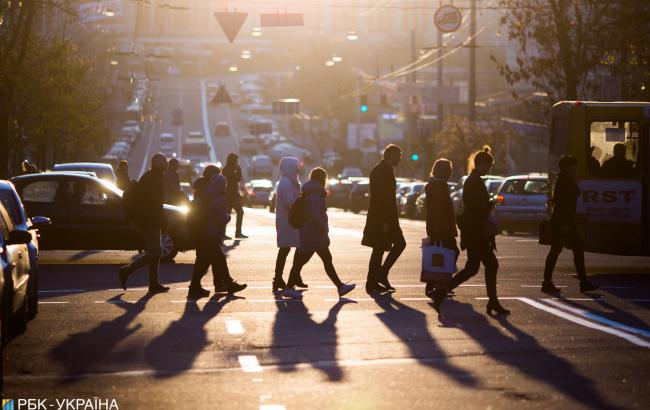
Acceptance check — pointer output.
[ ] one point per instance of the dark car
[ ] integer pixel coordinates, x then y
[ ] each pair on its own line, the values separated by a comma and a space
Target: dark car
86, 213
360, 197
339, 193
406, 203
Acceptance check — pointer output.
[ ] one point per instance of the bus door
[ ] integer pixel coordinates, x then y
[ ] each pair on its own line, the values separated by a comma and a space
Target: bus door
613, 206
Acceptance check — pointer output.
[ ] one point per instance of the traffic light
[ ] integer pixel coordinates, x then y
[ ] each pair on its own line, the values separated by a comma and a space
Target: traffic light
363, 103
415, 157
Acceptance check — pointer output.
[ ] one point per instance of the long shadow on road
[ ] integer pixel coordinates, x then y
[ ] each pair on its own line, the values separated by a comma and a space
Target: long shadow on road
411, 326
293, 332
82, 353
176, 349
521, 351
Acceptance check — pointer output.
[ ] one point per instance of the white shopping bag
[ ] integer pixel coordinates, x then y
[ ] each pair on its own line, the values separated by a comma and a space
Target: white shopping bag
438, 262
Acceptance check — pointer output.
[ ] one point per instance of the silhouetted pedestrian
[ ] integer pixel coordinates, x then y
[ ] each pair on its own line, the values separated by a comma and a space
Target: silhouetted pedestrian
478, 233
594, 165
382, 231
441, 222
208, 228
288, 237
172, 184
314, 235
149, 219
232, 172
123, 180
618, 166
564, 232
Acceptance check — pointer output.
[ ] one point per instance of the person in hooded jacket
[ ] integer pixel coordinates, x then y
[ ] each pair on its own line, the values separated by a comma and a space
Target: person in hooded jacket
314, 236
288, 237
208, 231
441, 223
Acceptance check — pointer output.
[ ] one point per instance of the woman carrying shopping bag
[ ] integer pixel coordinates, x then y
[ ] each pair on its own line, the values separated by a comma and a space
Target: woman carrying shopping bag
314, 235
441, 223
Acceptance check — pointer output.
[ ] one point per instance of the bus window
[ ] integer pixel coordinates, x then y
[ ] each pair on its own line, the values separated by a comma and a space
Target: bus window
613, 151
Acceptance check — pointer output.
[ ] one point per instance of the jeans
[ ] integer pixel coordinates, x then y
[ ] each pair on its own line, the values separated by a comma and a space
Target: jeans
209, 252
150, 256
377, 270
301, 258
477, 254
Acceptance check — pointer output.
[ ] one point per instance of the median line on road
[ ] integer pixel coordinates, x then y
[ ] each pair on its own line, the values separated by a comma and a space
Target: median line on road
234, 327
249, 364
52, 302
586, 323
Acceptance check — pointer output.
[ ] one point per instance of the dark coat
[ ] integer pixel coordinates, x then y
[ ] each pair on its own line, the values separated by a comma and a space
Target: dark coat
314, 234
474, 226
441, 223
382, 210
564, 200
123, 180
233, 177
150, 200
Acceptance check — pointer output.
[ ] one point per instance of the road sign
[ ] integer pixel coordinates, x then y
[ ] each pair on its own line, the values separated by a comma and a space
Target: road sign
447, 18
282, 19
231, 23
222, 96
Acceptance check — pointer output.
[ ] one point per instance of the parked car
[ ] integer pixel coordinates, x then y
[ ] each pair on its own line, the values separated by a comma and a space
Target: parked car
167, 138
102, 170
261, 165
351, 172
521, 203
360, 197
421, 202
258, 192
16, 290
222, 130
248, 144
406, 204
11, 201
339, 193
457, 195
86, 213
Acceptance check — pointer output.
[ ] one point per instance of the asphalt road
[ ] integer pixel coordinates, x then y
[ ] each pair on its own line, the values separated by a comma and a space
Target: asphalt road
91, 339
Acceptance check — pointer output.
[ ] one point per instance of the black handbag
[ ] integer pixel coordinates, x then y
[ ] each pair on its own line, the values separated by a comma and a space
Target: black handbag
545, 233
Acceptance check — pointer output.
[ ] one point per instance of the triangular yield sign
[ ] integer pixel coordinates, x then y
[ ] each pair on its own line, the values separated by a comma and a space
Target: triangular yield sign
231, 23
222, 96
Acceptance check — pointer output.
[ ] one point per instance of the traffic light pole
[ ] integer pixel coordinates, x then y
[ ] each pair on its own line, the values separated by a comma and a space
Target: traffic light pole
472, 63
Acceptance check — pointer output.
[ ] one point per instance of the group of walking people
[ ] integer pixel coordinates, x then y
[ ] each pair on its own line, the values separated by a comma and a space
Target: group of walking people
216, 194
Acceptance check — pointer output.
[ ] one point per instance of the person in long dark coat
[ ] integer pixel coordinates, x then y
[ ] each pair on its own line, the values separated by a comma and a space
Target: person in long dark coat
232, 172
564, 232
477, 236
123, 180
382, 232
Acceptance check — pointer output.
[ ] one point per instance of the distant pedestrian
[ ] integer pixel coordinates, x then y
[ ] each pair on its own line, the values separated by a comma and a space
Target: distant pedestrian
122, 174
441, 222
478, 233
149, 219
208, 228
172, 184
288, 237
382, 231
314, 236
232, 172
618, 166
564, 232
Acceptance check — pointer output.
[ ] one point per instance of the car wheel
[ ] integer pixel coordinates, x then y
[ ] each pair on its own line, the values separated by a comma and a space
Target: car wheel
168, 246
32, 292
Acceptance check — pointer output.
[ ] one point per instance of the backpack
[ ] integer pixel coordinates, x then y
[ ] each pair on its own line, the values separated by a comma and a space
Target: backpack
130, 202
298, 213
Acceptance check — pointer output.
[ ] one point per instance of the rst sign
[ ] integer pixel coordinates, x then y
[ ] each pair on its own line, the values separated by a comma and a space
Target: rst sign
610, 201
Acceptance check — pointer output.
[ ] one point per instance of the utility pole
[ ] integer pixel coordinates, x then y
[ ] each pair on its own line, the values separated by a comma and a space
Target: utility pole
472, 63
440, 102
412, 115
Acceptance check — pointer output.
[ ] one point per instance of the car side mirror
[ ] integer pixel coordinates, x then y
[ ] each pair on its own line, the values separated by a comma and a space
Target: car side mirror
39, 222
19, 238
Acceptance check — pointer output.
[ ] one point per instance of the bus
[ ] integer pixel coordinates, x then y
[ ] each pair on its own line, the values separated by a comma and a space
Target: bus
611, 141
196, 148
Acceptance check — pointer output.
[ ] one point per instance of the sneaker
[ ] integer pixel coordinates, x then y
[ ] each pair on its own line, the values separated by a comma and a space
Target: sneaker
123, 273
374, 287
235, 287
198, 292
220, 288
345, 289
158, 288
586, 286
291, 293
549, 287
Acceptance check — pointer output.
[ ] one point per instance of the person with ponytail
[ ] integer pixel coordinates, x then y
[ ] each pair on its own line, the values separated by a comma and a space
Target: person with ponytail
477, 235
